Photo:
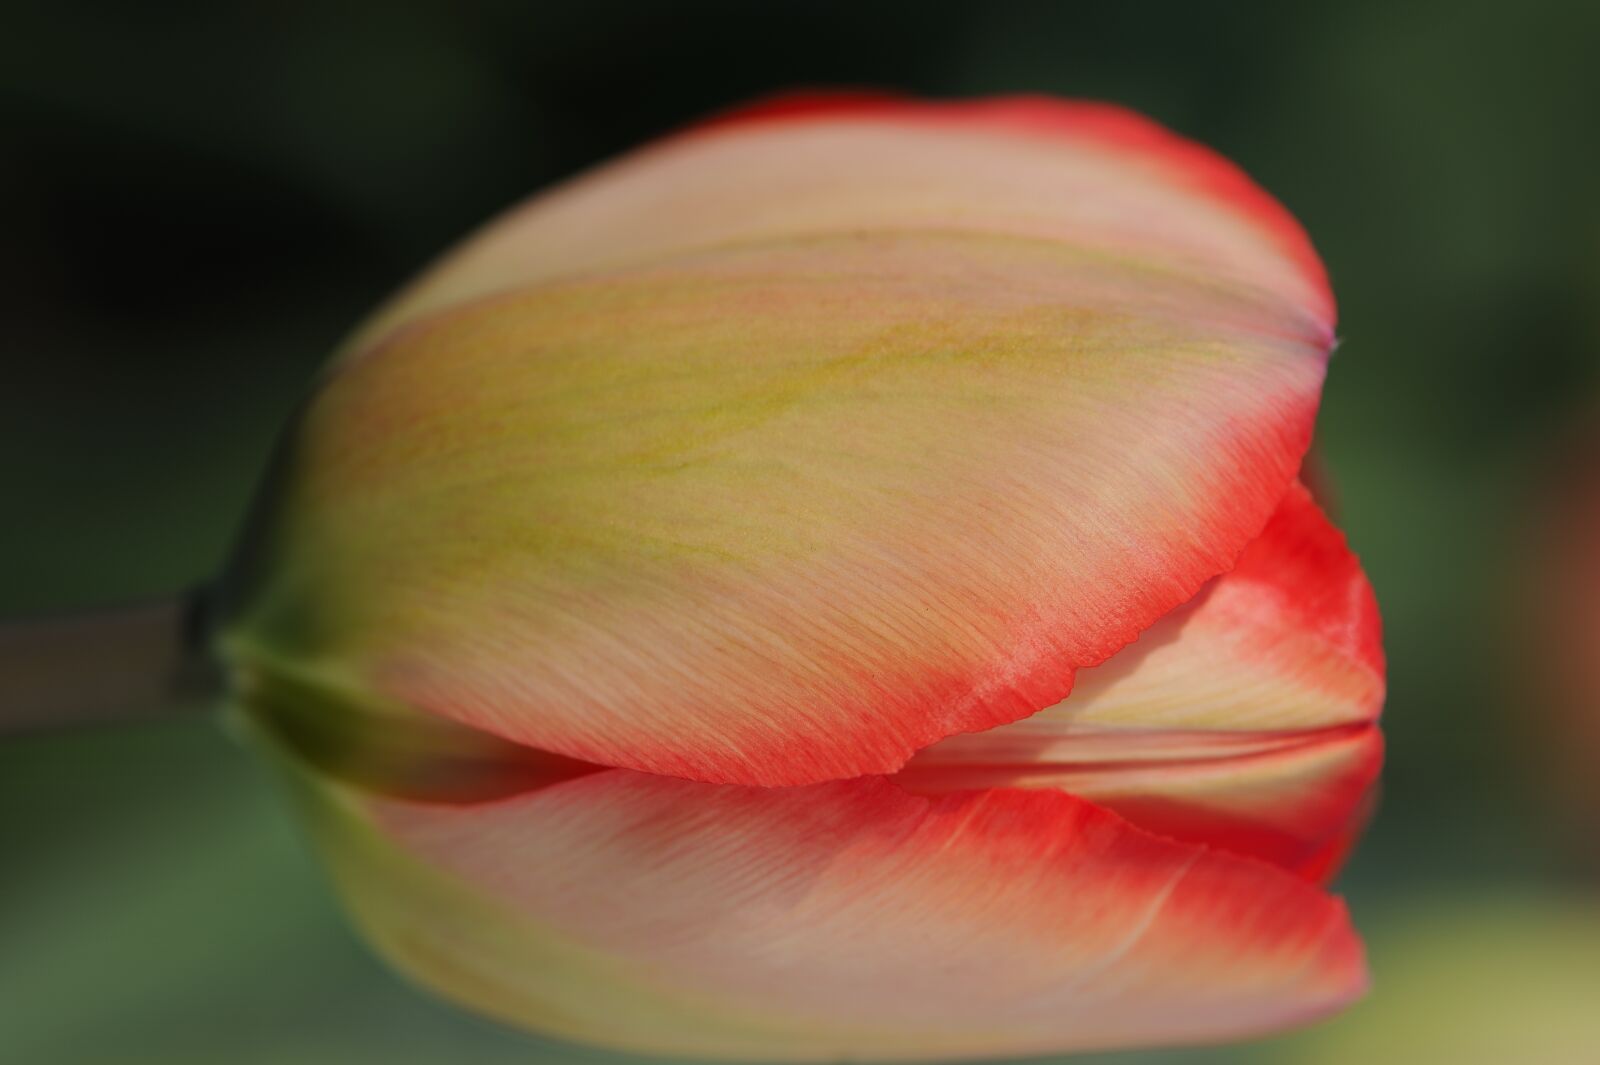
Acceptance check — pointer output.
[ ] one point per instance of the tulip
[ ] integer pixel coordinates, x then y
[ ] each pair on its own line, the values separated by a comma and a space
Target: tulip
667, 607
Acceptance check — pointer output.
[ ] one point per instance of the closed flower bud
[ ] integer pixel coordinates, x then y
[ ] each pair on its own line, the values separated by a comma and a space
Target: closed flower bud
833, 583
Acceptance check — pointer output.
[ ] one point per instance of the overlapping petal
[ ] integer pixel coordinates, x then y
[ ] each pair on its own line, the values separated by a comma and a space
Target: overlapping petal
1244, 719
1091, 175
785, 497
846, 920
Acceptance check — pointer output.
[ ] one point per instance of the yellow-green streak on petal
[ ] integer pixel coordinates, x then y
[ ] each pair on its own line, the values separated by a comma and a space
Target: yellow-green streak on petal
782, 512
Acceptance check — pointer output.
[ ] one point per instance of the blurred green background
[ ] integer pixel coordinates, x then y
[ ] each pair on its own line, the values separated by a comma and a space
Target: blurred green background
197, 199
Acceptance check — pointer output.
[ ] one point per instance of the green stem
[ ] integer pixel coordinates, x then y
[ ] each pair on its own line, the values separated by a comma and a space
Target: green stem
130, 663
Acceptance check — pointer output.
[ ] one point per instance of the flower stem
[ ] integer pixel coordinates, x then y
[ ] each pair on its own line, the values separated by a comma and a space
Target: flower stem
130, 663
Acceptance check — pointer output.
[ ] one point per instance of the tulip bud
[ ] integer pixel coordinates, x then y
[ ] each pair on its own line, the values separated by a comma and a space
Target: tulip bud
670, 607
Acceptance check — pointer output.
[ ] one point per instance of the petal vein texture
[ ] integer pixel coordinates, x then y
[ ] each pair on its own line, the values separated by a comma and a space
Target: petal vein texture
782, 449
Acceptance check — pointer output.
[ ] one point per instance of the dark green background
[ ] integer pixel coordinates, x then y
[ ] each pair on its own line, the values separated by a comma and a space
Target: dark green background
196, 200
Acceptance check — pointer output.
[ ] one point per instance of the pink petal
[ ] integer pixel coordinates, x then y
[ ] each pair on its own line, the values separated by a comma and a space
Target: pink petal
1244, 719
938, 413
847, 920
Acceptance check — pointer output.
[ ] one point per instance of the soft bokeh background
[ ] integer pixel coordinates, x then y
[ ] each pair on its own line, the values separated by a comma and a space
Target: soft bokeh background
197, 199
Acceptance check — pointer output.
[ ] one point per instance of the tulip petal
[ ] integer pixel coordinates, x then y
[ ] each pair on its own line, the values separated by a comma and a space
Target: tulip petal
851, 426
777, 514
1093, 175
1287, 799
1243, 719
844, 920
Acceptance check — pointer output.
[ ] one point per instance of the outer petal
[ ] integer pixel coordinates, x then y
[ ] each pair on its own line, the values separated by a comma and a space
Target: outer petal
1244, 719
785, 661
1091, 174
778, 513
846, 920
